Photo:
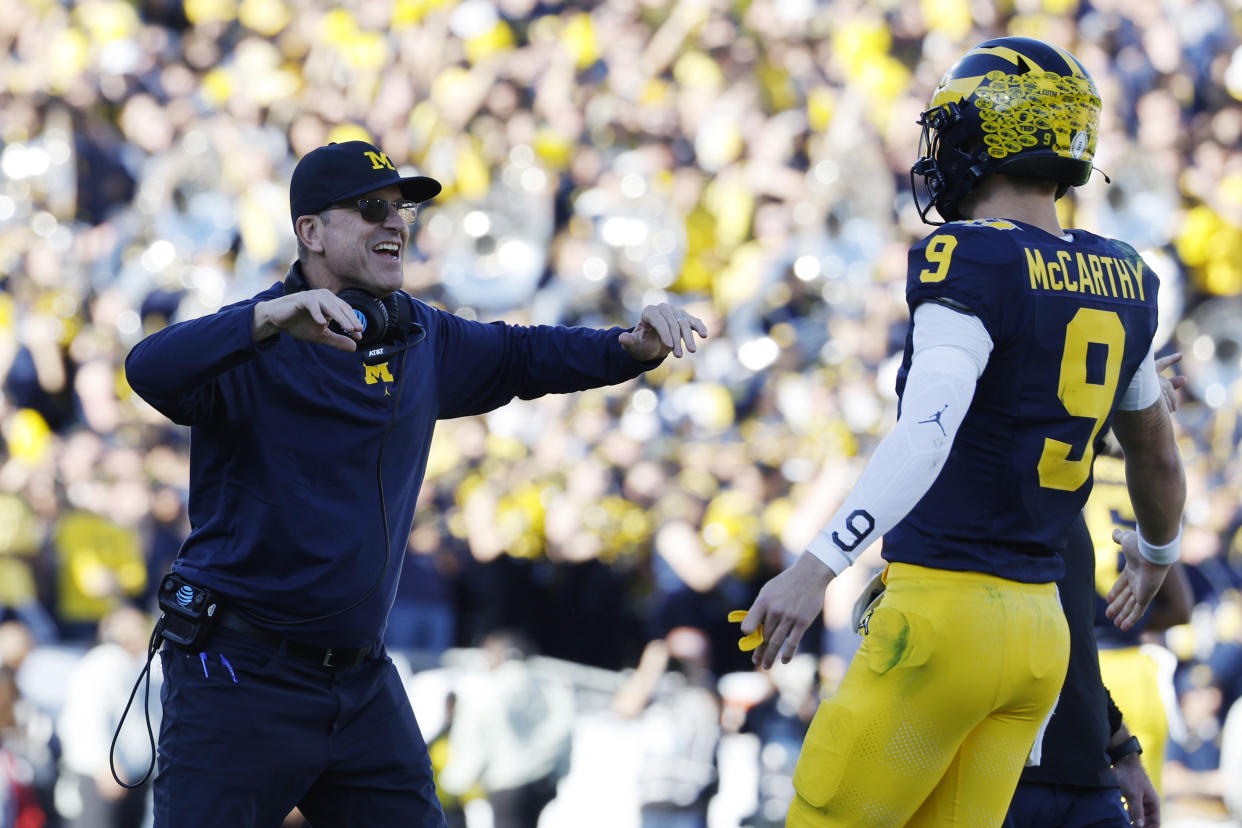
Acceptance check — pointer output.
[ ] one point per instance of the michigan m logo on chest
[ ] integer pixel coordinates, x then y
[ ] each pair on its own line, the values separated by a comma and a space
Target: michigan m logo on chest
377, 373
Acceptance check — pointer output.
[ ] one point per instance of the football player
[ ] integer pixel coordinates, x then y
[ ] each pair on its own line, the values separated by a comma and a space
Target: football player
1026, 341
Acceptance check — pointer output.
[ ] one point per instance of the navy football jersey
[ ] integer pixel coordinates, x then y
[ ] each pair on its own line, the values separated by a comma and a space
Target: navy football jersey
1070, 322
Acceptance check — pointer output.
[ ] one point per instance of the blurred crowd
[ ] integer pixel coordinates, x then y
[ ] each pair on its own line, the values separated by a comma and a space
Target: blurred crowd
750, 159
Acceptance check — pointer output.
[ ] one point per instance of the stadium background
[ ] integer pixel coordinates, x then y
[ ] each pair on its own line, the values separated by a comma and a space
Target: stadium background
749, 159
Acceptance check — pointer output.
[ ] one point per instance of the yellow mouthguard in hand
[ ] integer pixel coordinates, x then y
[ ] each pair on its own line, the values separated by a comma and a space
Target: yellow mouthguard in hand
751, 641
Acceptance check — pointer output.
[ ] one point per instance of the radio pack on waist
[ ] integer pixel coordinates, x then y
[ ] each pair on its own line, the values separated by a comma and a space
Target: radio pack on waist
190, 611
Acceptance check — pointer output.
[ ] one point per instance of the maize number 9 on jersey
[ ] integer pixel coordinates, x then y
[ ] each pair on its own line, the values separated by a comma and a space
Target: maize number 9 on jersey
1082, 397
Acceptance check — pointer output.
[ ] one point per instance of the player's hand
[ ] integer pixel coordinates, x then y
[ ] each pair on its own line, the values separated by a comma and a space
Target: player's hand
1169, 386
785, 607
1142, 801
306, 315
1137, 585
662, 328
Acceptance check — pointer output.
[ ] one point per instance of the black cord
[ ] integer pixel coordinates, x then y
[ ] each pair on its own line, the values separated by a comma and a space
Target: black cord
152, 646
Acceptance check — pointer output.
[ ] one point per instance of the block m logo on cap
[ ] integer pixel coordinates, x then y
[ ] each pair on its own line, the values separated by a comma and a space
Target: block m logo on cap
334, 173
379, 161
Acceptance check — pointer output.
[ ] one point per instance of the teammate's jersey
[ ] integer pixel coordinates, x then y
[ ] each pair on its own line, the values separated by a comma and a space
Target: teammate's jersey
1070, 322
1109, 508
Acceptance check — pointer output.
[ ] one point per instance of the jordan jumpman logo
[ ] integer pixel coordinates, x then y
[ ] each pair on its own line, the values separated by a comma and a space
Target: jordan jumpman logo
935, 418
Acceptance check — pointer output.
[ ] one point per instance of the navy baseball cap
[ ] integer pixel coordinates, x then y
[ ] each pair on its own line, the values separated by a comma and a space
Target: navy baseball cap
334, 173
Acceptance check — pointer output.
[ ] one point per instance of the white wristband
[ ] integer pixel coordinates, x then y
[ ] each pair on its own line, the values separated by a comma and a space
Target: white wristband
1171, 552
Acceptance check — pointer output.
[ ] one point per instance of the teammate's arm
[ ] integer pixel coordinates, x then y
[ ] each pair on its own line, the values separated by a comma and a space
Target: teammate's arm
950, 351
1156, 482
1142, 801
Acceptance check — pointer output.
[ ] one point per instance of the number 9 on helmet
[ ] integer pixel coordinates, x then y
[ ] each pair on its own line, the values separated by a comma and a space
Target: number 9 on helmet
1012, 105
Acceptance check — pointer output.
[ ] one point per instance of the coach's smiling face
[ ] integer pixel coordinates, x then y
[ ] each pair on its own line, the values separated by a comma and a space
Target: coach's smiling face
346, 250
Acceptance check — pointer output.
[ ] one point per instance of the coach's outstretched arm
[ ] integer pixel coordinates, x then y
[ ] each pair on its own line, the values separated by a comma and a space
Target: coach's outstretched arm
1157, 485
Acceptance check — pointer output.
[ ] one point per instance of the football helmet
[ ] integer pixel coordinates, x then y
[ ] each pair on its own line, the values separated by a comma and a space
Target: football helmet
1011, 105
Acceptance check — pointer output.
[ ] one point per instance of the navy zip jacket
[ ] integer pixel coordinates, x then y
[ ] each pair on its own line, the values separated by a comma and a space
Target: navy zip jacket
305, 463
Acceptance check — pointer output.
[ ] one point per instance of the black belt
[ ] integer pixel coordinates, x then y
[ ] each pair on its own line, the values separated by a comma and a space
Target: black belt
323, 656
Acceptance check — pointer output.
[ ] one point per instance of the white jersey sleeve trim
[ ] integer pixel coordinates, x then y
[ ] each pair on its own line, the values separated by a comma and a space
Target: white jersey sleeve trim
1144, 387
937, 325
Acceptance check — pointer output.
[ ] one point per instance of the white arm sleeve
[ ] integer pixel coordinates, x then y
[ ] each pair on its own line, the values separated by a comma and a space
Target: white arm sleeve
1144, 387
936, 324
950, 351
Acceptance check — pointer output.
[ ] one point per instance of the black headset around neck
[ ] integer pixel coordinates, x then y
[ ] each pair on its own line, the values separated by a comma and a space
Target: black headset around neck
385, 321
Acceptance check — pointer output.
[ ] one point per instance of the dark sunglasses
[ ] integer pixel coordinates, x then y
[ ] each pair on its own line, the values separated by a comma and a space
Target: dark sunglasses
375, 210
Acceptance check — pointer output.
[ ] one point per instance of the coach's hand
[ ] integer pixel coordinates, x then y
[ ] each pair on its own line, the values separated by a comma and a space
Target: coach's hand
1137, 585
662, 328
306, 315
785, 607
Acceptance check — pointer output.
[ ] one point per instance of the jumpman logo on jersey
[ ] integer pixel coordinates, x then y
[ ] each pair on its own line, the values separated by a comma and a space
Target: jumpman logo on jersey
935, 418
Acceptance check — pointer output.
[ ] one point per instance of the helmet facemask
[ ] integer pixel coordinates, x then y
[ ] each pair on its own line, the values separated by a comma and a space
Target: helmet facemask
949, 170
